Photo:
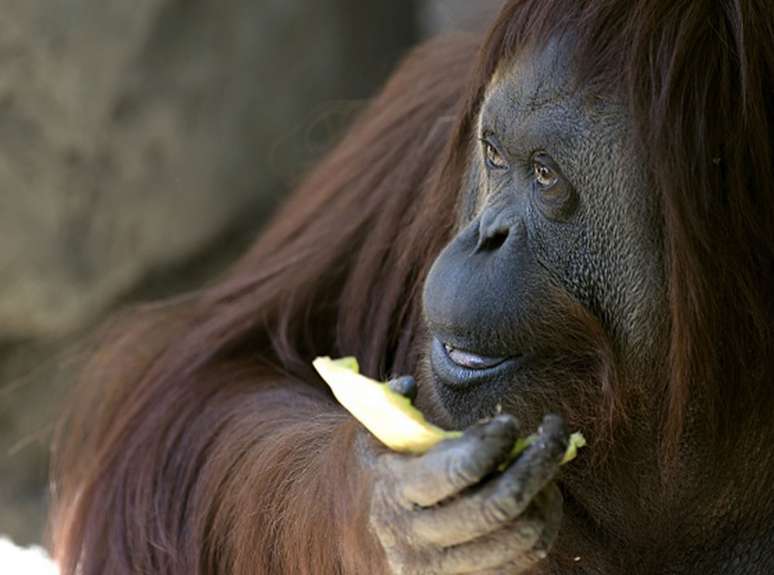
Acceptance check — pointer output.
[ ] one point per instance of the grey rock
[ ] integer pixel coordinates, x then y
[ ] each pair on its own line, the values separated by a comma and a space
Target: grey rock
132, 133
438, 16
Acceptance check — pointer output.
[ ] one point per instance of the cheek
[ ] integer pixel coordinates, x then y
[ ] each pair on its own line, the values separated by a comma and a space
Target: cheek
579, 256
562, 249
610, 261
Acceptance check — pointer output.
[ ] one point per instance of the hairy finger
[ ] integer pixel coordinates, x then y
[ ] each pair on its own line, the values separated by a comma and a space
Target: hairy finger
456, 464
500, 500
504, 547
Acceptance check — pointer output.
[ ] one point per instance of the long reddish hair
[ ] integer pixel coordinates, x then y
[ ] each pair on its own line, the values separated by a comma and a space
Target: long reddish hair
337, 272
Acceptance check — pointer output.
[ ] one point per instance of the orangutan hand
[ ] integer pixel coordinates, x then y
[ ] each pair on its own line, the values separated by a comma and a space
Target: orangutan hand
452, 511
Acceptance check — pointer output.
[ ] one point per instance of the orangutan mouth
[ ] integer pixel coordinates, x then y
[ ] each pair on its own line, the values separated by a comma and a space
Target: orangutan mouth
470, 360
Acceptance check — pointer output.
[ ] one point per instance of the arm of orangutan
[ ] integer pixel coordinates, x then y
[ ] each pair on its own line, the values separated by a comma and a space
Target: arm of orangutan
233, 471
282, 487
241, 472
286, 469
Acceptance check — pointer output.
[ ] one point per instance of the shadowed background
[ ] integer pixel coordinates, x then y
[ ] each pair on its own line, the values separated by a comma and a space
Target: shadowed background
142, 144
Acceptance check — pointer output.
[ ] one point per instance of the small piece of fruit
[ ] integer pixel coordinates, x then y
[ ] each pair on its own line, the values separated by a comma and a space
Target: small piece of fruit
391, 418
386, 414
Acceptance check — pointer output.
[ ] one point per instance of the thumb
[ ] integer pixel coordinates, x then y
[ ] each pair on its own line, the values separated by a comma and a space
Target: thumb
404, 385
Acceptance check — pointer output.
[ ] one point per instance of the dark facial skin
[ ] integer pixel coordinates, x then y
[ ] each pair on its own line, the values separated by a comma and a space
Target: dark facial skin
558, 230
557, 214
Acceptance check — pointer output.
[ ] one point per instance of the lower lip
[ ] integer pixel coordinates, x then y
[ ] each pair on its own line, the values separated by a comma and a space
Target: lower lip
455, 375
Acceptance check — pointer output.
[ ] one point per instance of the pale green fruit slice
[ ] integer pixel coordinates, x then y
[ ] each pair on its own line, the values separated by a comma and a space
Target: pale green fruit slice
391, 418
575, 442
386, 414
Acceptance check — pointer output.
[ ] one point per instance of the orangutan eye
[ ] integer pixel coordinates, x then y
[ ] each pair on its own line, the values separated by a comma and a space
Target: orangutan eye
555, 196
494, 159
545, 176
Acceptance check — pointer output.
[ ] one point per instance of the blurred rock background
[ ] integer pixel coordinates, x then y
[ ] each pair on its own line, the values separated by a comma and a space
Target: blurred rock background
142, 144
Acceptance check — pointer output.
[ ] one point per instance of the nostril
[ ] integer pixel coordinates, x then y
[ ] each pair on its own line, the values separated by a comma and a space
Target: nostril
492, 239
493, 229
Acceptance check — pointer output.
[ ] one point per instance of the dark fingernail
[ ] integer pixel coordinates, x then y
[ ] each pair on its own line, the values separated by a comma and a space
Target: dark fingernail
405, 386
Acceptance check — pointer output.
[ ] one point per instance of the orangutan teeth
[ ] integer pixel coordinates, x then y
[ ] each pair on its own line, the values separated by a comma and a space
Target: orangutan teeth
471, 360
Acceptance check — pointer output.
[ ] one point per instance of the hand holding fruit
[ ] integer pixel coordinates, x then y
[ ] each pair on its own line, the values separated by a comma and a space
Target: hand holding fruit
452, 502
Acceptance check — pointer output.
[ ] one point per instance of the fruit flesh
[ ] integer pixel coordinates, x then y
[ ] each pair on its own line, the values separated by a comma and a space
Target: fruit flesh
386, 414
391, 418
